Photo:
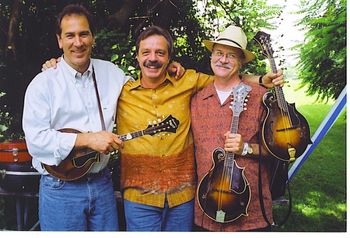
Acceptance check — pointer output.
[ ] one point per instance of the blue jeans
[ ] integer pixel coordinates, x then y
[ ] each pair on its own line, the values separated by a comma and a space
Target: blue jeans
84, 205
140, 217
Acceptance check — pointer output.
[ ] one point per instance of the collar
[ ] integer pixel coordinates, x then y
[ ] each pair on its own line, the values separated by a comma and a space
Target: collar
137, 83
73, 73
208, 91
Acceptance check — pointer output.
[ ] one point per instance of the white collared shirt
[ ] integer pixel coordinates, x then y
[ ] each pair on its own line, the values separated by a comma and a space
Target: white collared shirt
64, 98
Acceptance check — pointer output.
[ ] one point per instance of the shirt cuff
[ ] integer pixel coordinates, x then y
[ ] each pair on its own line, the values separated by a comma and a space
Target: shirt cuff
66, 144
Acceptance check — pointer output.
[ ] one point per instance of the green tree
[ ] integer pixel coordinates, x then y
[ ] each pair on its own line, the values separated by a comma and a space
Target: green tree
322, 65
27, 36
215, 15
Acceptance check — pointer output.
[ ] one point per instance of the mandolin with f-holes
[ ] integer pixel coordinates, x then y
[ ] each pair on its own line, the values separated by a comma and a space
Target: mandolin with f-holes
286, 133
79, 161
224, 192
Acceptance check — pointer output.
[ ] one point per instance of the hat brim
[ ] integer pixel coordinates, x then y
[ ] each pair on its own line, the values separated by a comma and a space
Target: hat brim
248, 56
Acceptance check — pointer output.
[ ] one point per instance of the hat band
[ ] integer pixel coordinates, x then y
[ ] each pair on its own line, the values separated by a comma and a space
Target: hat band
229, 41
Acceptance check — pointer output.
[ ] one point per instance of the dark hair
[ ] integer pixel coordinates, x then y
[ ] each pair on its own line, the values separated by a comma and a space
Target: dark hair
155, 30
74, 9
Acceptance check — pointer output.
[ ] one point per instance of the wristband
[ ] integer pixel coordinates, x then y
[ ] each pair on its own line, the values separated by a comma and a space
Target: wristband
261, 81
247, 149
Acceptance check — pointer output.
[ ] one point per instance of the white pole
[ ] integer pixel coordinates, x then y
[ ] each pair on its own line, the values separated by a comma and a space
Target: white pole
321, 132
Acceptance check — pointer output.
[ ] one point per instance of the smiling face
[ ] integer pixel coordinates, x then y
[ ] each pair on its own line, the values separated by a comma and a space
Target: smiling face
153, 58
76, 41
226, 61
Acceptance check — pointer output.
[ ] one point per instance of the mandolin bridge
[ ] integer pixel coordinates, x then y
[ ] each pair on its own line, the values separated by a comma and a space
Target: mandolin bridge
291, 152
220, 216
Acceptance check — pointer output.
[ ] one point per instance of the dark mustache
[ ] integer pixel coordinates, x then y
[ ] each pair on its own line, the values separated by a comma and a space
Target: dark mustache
227, 66
155, 63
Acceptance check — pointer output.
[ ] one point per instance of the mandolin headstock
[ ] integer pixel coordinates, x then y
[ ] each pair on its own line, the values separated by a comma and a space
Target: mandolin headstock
240, 94
264, 40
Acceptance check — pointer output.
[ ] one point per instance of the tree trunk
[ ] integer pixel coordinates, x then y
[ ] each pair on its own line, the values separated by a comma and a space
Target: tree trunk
13, 28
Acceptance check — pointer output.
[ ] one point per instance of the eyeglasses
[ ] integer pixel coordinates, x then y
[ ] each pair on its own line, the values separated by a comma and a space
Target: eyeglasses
219, 54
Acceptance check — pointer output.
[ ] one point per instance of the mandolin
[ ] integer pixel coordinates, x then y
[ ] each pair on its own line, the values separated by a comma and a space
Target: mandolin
224, 193
285, 132
80, 161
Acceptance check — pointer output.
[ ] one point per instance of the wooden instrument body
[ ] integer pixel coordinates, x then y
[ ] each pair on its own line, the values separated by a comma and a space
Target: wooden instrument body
225, 192
282, 131
76, 165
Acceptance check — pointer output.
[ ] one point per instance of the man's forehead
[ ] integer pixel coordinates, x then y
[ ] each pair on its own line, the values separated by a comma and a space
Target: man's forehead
75, 19
226, 48
157, 40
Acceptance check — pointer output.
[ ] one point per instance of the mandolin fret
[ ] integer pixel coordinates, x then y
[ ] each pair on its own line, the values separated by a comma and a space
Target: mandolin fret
131, 135
278, 90
234, 129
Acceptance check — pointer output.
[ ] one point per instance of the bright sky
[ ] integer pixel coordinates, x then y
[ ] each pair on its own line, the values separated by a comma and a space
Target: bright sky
287, 26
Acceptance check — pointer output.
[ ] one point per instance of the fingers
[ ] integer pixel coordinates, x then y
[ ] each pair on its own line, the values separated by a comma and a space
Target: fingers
273, 79
177, 69
104, 142
180, 72
52, 63
278, 78
233, 143
173, 68
114, 144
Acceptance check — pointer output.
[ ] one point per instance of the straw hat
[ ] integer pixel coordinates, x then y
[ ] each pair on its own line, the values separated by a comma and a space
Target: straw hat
232, 36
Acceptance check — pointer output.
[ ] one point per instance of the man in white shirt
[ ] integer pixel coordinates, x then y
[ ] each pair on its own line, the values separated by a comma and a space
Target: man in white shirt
66, 97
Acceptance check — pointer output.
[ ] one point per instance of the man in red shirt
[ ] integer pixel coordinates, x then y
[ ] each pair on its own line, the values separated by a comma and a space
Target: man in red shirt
211, 123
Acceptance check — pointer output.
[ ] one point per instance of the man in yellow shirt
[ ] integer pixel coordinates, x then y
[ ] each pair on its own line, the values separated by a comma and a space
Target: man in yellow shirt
158, 172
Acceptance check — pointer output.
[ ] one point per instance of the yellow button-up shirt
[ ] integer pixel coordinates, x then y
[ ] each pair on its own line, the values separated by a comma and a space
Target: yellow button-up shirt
160, 167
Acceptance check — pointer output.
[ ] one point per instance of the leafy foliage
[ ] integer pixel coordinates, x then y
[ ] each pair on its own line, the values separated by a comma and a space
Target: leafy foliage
5, 120
251, 15
322, 62
34, 39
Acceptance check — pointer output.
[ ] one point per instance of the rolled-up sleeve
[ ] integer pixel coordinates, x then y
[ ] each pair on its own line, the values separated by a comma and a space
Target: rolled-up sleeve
44, 143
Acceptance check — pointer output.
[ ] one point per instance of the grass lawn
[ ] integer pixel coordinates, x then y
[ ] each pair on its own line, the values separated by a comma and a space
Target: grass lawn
319, 187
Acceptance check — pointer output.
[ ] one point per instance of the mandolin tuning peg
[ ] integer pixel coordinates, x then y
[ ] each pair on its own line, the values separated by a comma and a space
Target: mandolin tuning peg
245, 109
149, 122
159, 120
